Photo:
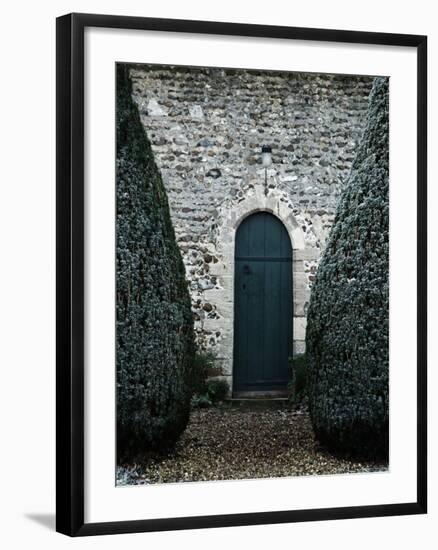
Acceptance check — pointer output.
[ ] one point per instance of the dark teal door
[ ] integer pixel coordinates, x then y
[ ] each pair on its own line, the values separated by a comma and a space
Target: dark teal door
262, 304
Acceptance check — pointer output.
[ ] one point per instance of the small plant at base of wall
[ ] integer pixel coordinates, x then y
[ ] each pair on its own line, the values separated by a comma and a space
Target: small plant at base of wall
298, 380
204, 367
216, 391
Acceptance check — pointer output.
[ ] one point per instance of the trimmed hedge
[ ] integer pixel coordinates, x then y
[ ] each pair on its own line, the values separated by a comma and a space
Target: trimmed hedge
155, 341
347, 341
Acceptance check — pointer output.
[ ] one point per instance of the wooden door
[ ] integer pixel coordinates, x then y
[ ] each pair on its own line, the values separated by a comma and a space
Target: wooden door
263, 307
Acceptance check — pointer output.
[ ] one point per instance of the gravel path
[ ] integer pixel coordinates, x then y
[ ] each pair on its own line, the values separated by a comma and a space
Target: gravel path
225, 443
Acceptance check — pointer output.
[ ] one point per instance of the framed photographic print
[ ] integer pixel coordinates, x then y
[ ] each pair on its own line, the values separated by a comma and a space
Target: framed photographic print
241, 274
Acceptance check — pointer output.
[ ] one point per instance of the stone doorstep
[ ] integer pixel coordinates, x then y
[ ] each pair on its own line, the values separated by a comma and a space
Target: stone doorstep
280, 393
257, 403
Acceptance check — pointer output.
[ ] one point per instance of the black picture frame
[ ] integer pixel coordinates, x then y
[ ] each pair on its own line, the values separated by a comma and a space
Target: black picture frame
70, 273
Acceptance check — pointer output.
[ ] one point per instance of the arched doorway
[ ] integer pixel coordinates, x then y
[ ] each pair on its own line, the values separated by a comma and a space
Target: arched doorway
263, 306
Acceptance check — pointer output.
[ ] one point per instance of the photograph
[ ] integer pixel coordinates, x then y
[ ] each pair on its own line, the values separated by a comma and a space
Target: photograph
216, 264
252, 274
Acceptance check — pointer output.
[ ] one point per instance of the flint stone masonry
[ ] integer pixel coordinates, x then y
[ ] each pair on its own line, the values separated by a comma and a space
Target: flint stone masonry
207, 127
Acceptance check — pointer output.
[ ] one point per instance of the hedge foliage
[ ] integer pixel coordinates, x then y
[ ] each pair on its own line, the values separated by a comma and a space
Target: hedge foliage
155, 342
347, 339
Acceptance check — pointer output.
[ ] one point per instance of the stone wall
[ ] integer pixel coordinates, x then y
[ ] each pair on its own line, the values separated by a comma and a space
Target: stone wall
207, 127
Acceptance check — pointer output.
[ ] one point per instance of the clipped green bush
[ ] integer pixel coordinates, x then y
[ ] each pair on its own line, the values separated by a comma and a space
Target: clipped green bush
347, 341
155, 341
